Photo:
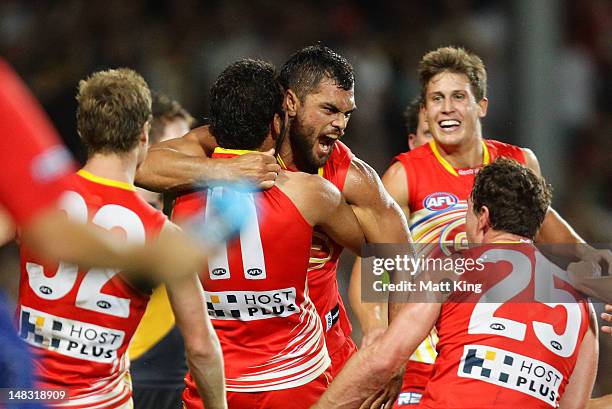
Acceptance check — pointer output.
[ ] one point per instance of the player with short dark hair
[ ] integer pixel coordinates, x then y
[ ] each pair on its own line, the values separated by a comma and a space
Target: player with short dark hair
257, 289
416, 125
317, 117
489, 351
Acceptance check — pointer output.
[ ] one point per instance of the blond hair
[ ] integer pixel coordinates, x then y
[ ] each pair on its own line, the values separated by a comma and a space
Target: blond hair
113, 106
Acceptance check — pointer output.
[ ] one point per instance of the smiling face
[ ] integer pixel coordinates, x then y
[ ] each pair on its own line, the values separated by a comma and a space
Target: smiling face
319, 119
452, 112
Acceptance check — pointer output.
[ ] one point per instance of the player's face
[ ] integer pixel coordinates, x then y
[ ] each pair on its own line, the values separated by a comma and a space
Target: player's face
452, 112
175, 128
320, 120
422, 135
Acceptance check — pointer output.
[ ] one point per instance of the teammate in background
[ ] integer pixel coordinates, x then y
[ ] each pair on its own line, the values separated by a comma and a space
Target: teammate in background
477, 367
416, 124
432, 183
372, 317
257, 290
157, 352
170, 121
79, 322
319, 100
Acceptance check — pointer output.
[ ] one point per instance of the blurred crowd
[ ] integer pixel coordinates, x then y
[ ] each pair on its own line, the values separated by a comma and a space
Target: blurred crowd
180, 46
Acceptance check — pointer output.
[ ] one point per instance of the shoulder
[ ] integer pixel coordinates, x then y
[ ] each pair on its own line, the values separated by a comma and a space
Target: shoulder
507, 150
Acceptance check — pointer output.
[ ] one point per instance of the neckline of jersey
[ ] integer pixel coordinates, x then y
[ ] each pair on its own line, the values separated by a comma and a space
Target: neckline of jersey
104, 181
238, 152
486, 158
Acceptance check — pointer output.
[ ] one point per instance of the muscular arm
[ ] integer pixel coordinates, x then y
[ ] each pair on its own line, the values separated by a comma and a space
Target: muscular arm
201, 343
581, 381
373, 316
368, 370
182, 163
556, 230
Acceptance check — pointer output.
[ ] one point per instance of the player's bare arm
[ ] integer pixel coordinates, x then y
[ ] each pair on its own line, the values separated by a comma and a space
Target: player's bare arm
379, 215
373, 316
202, 346
580, 384
373, 366
322, 204
183, 163
556, 230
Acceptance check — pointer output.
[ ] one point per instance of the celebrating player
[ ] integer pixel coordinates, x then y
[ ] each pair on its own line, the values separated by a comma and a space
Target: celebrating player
516, 353
257, 289
79, 322
319, 100
432, 183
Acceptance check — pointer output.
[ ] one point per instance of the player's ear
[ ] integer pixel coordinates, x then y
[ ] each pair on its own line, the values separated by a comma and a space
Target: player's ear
411, 138
291, 103
484, 221
483, 104
144, 135
277, 126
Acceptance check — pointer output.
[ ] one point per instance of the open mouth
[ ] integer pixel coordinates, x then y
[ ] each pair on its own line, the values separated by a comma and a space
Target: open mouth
326, 144
449, 125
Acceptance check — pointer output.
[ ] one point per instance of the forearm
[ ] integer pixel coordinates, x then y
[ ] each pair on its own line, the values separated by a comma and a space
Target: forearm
168, 169
372, 316
207, 371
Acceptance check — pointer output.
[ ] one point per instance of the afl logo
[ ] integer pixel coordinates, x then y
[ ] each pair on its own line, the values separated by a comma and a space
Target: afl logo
103, 304
45, 290
440, 201
497, 326
218, 272
254, 271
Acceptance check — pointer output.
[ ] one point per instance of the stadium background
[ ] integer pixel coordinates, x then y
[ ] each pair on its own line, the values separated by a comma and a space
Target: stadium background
548, 61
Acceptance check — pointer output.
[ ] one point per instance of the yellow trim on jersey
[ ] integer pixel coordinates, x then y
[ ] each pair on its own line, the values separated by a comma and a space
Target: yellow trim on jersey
232, 151
281, 162
104, 181
156, 322
486, 157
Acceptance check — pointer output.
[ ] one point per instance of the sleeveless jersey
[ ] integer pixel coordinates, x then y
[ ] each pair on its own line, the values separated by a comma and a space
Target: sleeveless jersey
256, 292
79, 322
324, 255
518, 348
437, 198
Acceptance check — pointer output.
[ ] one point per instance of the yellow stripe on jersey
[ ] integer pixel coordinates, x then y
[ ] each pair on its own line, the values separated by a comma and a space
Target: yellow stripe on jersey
156, 323
486, 157
232, 151
104, 181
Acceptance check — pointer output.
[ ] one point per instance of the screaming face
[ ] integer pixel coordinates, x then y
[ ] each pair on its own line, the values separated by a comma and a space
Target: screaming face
321, 118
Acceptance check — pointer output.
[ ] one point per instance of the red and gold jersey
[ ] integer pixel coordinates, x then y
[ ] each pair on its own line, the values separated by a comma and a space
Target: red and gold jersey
514, 344
437, 199
79, 322
33, 159
256, 291
323, 265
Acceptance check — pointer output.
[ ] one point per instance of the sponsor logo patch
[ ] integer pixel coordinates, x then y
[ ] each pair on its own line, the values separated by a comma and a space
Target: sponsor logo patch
440, 201
68, 337
251, 305
510, 370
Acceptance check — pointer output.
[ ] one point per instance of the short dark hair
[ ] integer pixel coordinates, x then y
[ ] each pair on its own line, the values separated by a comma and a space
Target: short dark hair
113, 106
305, 70
166, 109
516, 197
411, 115
455, 60
243, 101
